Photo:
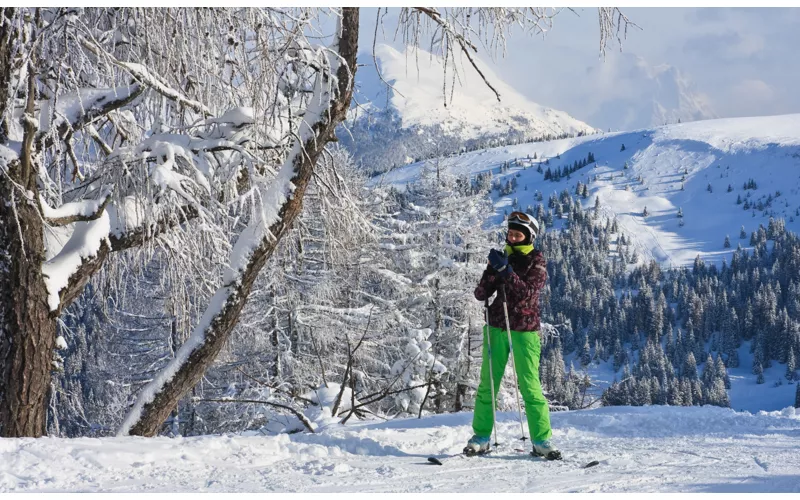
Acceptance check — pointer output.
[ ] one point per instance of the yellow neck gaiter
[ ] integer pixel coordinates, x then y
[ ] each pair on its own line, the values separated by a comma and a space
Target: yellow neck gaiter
523, 249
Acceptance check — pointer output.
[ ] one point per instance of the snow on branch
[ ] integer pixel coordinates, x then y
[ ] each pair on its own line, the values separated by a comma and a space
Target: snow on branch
76, 109
78, 211
462, 42
88, 239
143, 75
254, 244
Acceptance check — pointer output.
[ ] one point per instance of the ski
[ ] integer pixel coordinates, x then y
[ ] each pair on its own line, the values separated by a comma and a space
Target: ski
438, 460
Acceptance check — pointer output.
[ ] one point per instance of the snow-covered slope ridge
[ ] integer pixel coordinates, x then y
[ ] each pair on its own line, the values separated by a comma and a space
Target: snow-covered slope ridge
670, 168
647, 449
471, 110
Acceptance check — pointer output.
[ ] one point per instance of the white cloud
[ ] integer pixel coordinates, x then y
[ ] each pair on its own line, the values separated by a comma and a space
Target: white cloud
734, 61
753, 97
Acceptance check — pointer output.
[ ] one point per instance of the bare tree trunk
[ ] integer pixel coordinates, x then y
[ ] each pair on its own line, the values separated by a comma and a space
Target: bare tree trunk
27, 327
154, 412
7, 33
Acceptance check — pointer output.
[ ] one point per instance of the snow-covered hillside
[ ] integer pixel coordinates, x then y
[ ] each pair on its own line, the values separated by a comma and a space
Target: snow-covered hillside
426, 111
676, 165
472, 110
647, 449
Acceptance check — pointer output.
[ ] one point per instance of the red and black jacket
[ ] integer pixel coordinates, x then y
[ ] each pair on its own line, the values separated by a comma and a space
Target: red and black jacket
522, 287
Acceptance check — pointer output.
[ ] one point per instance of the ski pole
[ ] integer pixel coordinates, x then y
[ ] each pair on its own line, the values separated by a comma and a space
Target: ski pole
513, 366
491, 371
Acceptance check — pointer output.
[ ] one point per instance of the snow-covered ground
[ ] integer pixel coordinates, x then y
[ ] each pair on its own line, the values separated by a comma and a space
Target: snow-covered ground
647, 449
717, 152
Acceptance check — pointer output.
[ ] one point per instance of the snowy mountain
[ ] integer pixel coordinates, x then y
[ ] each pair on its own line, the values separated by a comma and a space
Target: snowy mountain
649, 449
425, 113
677, 192
669, 168
645, 96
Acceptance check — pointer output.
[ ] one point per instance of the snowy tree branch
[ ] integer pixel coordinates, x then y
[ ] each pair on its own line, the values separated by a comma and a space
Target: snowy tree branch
79, 110
282, 203
82, 211
306, 423
462, 42
143, 75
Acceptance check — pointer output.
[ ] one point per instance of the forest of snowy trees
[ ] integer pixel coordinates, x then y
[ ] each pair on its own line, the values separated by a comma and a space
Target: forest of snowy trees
379, 142
370, 304
152, 161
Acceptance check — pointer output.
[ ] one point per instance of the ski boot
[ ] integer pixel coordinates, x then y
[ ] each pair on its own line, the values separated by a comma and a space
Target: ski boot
546, 450
477, 446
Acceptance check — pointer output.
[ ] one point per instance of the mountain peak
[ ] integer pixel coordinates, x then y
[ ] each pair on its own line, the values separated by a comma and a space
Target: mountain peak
427, 92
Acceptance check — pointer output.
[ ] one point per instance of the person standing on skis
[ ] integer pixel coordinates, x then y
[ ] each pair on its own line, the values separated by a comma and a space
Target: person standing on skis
519, 273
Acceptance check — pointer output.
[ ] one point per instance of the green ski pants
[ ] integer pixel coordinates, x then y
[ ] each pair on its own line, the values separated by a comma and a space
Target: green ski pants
527, 349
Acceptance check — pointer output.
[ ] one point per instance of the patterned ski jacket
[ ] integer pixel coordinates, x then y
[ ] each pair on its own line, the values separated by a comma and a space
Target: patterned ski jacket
522, 286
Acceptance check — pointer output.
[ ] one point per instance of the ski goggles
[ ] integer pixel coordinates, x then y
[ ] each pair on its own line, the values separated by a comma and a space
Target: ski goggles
523, 219
519, 218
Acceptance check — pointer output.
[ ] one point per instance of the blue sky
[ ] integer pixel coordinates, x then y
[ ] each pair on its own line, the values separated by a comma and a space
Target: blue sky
736, 61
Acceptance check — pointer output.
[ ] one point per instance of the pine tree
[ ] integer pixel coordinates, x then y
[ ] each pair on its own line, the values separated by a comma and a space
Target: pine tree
742, 234
723, 372
727, 243
686, 392
791, 366
690, 367
586, 355
620, 358
709, 370
758, 370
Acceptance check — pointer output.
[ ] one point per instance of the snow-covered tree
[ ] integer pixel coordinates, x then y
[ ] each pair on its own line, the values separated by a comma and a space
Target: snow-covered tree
416, 369
791, 366
690, 367
127, 129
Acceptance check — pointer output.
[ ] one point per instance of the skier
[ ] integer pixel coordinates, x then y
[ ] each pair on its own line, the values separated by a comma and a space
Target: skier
519, 273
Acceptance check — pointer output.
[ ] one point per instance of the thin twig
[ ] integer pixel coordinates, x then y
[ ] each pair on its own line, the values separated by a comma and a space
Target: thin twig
296, 413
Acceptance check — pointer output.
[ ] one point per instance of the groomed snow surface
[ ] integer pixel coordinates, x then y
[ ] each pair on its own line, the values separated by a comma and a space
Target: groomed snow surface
645, 449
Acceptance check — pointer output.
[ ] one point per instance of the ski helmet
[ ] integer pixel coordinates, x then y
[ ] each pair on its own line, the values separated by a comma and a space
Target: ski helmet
520, 221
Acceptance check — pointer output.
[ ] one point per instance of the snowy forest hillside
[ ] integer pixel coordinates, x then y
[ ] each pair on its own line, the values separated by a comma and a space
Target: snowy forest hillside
722, 175
369, 311
704, 214
193, 253
407, 109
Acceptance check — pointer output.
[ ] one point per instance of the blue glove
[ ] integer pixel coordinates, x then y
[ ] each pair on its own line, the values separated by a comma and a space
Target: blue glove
499, 262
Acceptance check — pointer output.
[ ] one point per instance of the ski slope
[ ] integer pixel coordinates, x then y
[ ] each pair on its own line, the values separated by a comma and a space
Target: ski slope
646, 449
717, 152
